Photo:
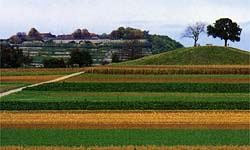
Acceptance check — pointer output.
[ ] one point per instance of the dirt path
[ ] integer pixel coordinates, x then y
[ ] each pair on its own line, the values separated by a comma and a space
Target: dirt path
127, 119
51, 81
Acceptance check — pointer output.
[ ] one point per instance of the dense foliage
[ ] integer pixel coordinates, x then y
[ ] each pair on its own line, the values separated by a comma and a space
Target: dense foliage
54, 63
225, 29
161, 43
80, 57
12, 57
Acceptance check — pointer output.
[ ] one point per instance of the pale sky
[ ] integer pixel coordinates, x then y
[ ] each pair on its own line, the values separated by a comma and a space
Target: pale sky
165, 17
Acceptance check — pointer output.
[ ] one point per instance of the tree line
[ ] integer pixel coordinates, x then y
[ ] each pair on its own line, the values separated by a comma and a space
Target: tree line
118, 34
12, 57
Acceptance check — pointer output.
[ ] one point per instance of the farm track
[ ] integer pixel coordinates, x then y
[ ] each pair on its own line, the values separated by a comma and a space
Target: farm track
32, 79
129, 147
127, 119
223, 80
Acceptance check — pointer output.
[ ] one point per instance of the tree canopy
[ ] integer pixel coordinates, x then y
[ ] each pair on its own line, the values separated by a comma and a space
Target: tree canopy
128, 34
34, 34
225, 29
54, 63
80, 57
12, 57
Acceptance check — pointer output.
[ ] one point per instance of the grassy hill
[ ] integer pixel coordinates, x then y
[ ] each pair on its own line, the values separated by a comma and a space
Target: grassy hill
207, 55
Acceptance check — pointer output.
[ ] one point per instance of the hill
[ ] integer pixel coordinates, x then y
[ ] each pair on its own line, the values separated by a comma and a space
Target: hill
163, 43
206, 55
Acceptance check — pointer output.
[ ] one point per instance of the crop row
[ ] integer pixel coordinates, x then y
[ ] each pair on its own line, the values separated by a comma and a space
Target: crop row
146, 87
121, 105
170, 70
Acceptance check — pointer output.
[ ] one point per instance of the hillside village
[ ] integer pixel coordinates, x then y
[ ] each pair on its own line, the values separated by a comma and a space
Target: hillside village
122, 44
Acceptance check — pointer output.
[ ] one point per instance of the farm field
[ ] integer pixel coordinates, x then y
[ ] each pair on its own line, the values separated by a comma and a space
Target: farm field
129, 147
171, 69
117, 137
38, 71
6, 86
159, 78
138, 107
71, 100
15, 78
127, 119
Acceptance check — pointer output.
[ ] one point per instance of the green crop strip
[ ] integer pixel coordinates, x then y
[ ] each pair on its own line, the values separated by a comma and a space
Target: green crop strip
108, 137
136, 105
146, 87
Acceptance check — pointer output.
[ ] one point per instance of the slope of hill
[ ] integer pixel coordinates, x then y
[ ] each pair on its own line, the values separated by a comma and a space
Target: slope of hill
206, 55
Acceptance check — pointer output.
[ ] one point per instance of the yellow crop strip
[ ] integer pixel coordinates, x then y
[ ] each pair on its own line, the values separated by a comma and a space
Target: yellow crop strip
128, 119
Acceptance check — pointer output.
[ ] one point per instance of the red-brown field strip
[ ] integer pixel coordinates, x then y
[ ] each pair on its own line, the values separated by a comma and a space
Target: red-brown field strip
224, 80
32, 79
127, 119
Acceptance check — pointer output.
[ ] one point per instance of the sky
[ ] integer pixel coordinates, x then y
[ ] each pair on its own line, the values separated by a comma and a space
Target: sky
164, 17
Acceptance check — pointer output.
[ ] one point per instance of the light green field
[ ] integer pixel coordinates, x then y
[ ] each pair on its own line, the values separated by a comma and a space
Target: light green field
64, 96
108, 137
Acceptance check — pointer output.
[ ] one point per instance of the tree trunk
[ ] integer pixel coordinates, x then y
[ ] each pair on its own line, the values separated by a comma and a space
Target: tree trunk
195, 43
226, 43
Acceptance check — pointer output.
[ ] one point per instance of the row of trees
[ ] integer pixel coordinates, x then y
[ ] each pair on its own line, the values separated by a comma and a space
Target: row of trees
120, 33
12, 57
81, 58
33, 34
223, 28
129, 33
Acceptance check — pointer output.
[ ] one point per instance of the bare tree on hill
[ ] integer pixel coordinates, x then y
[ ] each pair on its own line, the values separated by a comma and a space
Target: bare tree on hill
194, 31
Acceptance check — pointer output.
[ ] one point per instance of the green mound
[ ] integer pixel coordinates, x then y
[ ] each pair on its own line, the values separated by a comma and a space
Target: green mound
206, 55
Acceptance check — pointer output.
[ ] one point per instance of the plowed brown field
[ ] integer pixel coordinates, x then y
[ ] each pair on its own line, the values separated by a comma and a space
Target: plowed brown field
32, 79
128, 119
149, 147
41, 69
224, 80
